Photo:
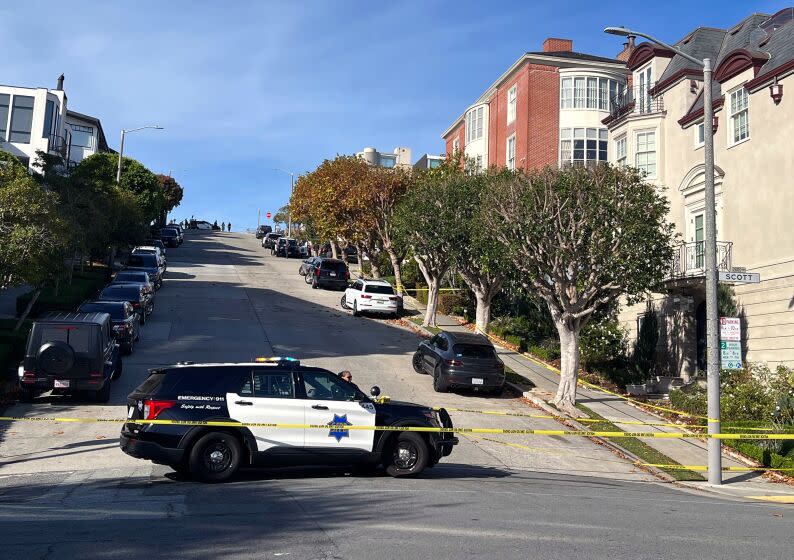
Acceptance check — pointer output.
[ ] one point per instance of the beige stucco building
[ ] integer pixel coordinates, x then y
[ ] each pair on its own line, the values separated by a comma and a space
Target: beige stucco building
658, 127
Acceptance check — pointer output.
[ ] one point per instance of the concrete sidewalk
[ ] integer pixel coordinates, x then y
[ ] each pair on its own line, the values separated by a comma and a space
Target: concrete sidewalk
619, 411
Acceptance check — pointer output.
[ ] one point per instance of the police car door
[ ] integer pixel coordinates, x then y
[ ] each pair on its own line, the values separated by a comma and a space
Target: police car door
269, 397
329, 400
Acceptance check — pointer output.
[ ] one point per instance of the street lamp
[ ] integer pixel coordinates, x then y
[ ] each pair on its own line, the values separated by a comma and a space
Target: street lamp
121, 145
712, 313
291, 189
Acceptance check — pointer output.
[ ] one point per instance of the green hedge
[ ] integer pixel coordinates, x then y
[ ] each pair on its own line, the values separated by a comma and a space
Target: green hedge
68, 297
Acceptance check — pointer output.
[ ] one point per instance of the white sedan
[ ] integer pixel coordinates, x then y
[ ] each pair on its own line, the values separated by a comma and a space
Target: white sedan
371, 296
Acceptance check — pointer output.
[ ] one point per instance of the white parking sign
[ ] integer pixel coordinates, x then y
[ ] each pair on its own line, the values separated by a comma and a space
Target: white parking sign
730, 343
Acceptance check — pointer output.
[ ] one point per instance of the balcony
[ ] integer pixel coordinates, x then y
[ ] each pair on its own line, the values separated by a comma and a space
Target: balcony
688, 266
58, 145
634, 101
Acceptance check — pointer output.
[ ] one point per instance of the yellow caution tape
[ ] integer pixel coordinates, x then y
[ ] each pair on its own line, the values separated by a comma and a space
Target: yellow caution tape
705, 468
429, 429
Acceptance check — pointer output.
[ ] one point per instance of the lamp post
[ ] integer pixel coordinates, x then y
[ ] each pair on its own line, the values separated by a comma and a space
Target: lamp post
121, 145
291, 189
712, 313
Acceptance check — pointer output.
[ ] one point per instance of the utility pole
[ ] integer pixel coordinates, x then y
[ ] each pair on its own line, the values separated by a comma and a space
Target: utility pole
121, 146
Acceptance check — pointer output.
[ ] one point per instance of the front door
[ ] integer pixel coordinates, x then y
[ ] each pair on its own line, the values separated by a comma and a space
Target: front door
268, 396
330, 400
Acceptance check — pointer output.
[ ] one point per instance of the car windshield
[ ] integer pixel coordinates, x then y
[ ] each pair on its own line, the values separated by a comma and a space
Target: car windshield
116, 310
478, 351
140, 251
379, 289
117, 293
142, 260
292, 242
335, 266
140, 277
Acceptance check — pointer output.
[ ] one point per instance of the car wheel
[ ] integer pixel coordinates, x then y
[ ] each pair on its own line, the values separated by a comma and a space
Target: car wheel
308, 278
438, 383
409, 455
418, 362
27, 394
103, 395
343, 302
117, 371
300, 271
356, 312
215, 457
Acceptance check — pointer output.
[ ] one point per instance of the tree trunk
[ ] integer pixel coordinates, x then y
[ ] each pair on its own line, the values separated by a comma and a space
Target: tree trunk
569, 367
398, 275
483, 316
373, 265
334, 252
432, 303
25, 313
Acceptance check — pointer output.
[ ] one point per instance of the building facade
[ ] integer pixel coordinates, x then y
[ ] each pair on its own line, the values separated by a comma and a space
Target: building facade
546, 109
33, 119
657, 126
428, 161
400, 157
87, 136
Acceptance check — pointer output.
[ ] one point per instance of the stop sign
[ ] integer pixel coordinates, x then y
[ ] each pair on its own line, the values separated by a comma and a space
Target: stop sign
268, 214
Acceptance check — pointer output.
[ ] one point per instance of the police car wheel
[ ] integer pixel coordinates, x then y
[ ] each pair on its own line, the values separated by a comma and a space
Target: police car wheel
409, 455
215, 457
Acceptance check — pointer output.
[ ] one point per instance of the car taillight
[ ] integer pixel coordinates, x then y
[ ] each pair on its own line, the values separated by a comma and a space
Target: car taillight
152, 408
454, 363
28, 377
366, 296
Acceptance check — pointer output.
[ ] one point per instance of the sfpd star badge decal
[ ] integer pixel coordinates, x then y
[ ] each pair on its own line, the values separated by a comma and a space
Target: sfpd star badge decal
336, 431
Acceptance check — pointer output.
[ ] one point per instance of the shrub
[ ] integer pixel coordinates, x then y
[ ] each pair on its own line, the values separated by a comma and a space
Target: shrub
448, 301
644, 356
548, 350
602, 342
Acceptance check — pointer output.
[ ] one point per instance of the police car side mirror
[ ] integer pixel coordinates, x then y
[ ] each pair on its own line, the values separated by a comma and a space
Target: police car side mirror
375, 391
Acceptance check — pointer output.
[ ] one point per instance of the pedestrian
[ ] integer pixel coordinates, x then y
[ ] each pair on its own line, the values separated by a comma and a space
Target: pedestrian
223, 226
345, 375
229, 227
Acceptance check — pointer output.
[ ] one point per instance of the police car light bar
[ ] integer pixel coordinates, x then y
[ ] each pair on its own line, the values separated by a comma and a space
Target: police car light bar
276, 359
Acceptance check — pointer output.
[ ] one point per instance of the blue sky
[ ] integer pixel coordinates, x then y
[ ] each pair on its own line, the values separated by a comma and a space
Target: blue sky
242, 87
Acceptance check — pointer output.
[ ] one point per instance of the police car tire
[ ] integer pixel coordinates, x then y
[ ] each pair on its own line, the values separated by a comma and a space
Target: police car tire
415, 443
224, 442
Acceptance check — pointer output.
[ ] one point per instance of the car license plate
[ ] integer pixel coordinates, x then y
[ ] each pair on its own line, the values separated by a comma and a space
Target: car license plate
61, 384
332, 274
476, 381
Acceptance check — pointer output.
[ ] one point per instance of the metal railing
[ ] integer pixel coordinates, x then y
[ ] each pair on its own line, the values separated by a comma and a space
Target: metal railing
636, 101
689, 259
58, 144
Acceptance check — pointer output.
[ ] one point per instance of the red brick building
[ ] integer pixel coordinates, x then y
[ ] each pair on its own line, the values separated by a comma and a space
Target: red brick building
546, 109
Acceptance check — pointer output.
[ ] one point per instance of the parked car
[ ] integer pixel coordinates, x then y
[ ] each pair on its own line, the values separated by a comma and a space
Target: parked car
156, 243
142, 302
170, 237
270, 239
148, 264
133, 277
307, 265
126, 323
328, 273
203, 225
262, 231
180, 232
283, 392
371, 296
69, 353
460, 360
287, 248
152, 250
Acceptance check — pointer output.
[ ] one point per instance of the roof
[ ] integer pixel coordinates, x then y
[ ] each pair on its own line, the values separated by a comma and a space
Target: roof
576, 56
96, 318
701, 43
468, 338
102, 143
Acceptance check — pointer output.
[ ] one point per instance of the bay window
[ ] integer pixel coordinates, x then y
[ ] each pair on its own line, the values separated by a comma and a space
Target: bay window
474, 124
586, 92
583, 146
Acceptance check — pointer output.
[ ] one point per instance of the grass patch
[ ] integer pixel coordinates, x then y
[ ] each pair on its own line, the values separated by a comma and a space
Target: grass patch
639, 448
418, 321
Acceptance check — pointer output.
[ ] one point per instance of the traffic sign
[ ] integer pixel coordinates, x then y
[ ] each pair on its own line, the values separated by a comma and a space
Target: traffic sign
730, 343
730, 328
740, 277
268, 215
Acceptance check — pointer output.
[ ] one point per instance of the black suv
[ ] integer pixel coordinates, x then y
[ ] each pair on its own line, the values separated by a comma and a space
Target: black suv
126, 323
137, 296
70, 352
169, 237
287, 247
275, 391
262, 231
328, 273
148, 264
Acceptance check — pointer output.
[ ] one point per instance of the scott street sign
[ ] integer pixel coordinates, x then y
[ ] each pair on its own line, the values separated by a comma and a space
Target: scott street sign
740, 277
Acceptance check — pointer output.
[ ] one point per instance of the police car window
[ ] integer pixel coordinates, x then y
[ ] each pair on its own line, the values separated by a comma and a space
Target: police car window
325, 386
273, 385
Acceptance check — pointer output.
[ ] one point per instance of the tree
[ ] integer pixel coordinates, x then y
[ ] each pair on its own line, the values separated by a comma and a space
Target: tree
172, 195
478, 256
282, 215
426, 222
581, 238
387, 187
32, 232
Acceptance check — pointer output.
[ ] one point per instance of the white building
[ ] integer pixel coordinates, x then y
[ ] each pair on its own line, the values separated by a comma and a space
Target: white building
429, 161
87, 136
400, 157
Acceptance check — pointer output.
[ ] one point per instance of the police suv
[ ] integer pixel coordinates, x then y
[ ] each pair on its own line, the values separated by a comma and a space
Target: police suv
274, 391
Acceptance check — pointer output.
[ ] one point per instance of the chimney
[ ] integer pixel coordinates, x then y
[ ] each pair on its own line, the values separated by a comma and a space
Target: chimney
628, 48
59, 86
553, 44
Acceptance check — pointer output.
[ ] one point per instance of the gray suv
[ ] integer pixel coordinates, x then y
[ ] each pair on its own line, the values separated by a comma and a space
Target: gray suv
70, 353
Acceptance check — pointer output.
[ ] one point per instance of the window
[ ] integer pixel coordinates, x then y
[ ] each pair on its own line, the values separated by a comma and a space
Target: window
603, 99
592, 93
5, 99
584, 146
620, 150
83, 136
455, 145
644, 85
511, 104
379, 289
433, 163
45, 133
511, 152
700, 138
579, 93
646, 153
740, 125
324, 386
474, 125
566, 93
272, 385
21, 119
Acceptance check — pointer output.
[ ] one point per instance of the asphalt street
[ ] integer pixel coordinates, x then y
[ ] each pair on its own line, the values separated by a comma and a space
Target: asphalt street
66, 491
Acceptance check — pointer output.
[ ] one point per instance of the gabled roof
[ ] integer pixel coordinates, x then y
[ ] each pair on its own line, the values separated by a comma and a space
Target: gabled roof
102, 143
703, 42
